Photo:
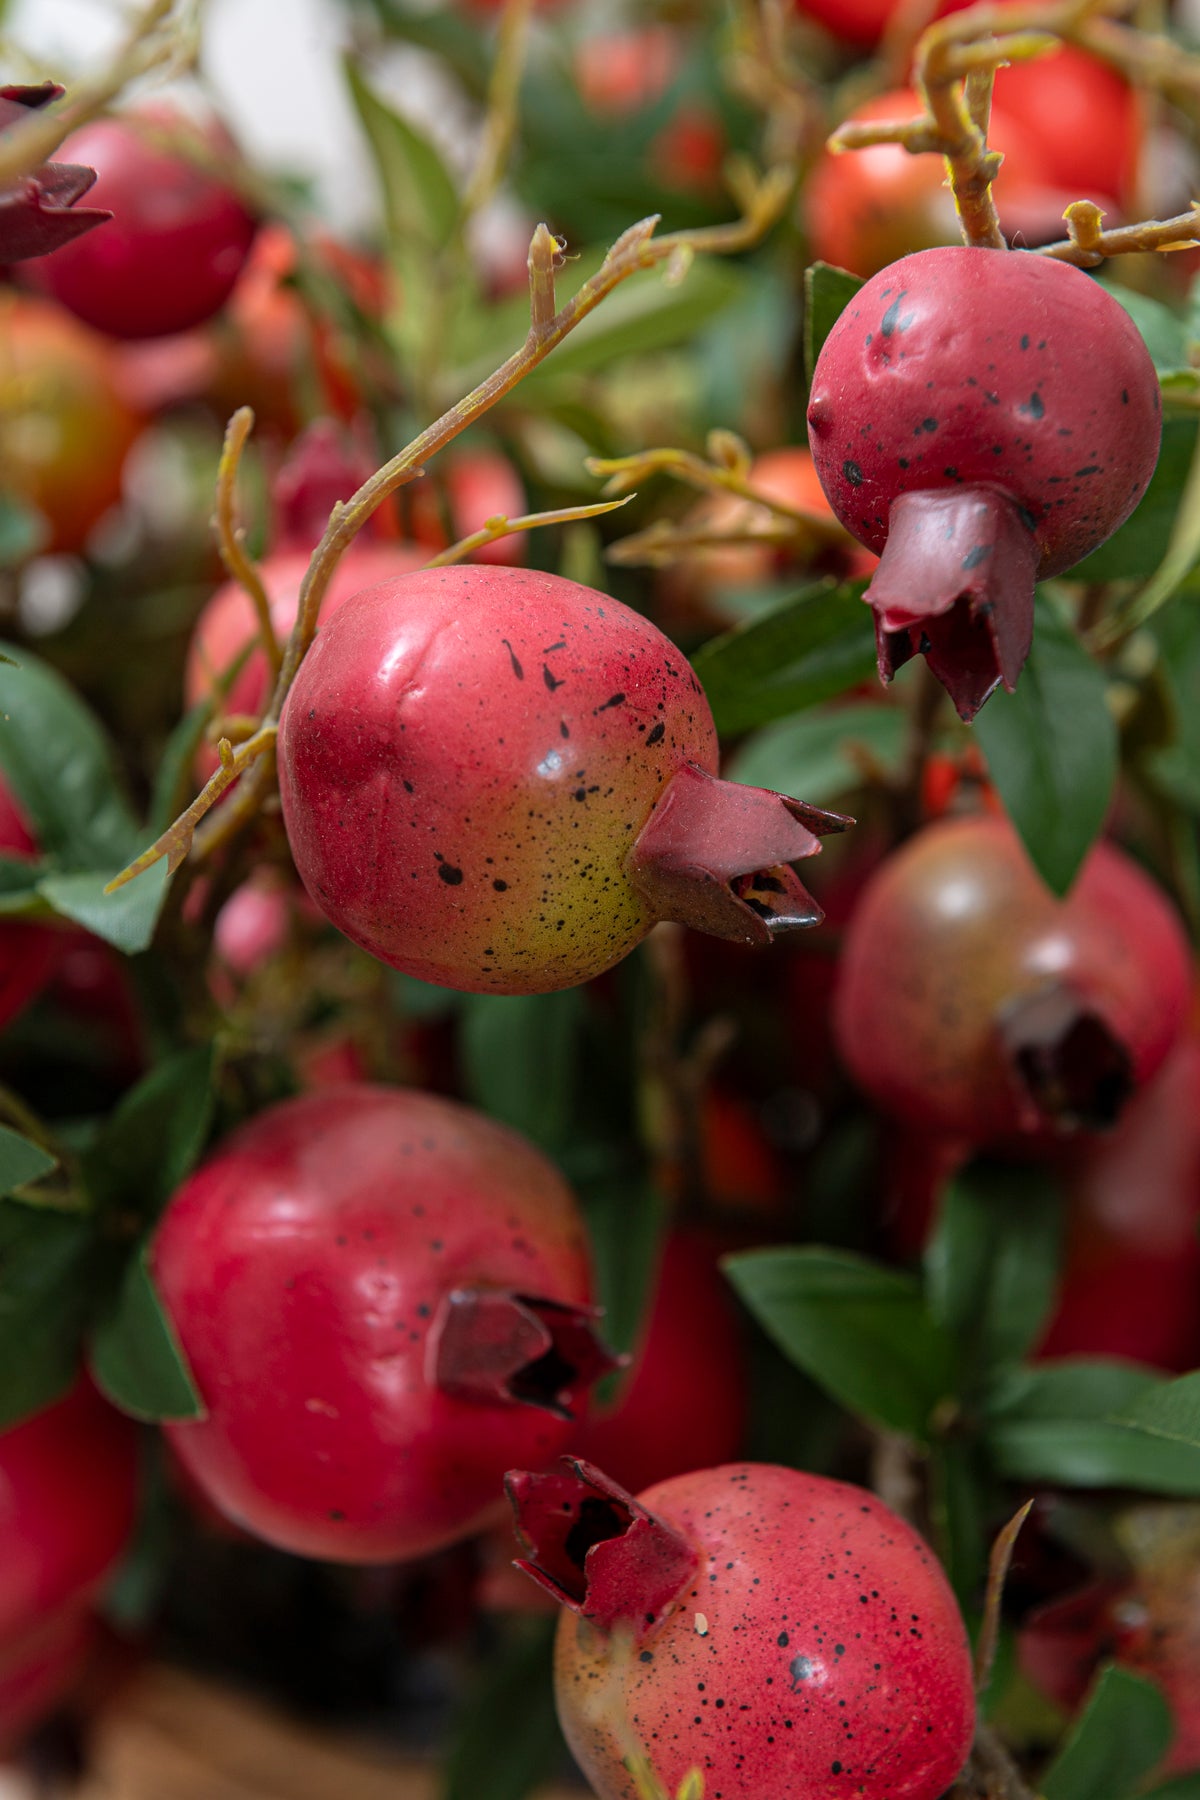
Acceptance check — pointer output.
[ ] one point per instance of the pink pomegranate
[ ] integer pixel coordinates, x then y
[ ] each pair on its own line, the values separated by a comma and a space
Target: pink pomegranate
380, 1295
499, 780
973, 1003
982, 419
783, 1633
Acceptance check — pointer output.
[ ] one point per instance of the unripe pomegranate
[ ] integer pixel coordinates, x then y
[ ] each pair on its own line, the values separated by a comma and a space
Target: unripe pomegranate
379, 1294
982, 419
973, 1002
499, 780
683, 1402
68, 1500
178, 237
783, 1633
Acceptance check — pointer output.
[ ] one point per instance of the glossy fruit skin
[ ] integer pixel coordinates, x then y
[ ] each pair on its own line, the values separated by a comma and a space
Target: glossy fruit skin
963, 367
865, 208
228, 623
303, 1265
467, 756
955, 930
64, 427
1131, 1277
683, 1402
68, 1502
849, 1606
175, 246
1080, 115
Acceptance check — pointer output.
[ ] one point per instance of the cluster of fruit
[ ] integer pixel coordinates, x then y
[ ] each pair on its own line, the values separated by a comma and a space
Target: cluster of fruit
420, 1157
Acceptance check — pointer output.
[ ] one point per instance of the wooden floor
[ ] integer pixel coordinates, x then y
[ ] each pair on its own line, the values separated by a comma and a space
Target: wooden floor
169, 1736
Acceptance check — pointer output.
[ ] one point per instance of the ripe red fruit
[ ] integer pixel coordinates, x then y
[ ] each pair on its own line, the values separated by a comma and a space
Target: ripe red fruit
1131, 1279
865, 208
38, 1671
29, 954
178, 237
982, 419
64, 427
683, 1402
974, 1003
783, 1633
380, 1294
499, 780
68, 1500
228, 624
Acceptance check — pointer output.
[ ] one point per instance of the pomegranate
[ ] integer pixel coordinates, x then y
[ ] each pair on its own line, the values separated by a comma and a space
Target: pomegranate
380, 1295
68, 1501
39, 1670
38, 212
973, 1003
178, 237
499, 780
982, 419
783, 1633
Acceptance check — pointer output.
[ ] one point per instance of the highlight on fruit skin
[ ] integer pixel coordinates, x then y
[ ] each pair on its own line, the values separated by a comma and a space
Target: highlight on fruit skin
983, 419
499, 780
782, 1632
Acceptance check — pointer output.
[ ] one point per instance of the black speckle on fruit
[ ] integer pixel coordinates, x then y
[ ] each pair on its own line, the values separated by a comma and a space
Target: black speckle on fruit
449, 874
853, 473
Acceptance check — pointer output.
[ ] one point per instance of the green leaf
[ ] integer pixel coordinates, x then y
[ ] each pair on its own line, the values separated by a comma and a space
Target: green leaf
1170, 1410
420, 199
1120, 1736
46, 1286
149, 1144
174, 783
135, 1355
127, 918
827, 293
1136, 549
60, 765
521, 1060
823, 753
505, 1740
1062, 1422
1051, 750
991, 1268
1184, 1787
817, 644
21, 1161
860, 1330
23, 531
1163, 331
626, 1218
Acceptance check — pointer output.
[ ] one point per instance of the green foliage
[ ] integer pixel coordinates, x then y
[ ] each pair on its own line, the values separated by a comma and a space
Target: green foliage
21, 1161
827, 293
150, 1142
1051, 750
1121, 1735
1170, 1411
818, 643
135, 1355
992, 1264
505, 1740
1063, 1422
47, 1276
823, 753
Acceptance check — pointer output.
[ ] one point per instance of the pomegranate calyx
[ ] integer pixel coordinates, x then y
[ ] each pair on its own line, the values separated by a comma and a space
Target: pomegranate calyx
38, 212
490, 1345
596, 1549
955, 584
322, 467
1071, 1072
717, 855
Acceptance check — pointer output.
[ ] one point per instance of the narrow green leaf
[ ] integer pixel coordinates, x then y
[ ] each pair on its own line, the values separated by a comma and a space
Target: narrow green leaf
626, 1218
1136, 549
420, 199
1170, 1410
992, 1265
823, 753
127, 919
174, 783
149, 1144
505, 1740
862, 1331
1184, 1787
817, 644
1163, 331
1121, 1735
21, 1161
521, 1059
1051, 750
827, 293
1062, 1422
47, 1279
60, 765
135, 1355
